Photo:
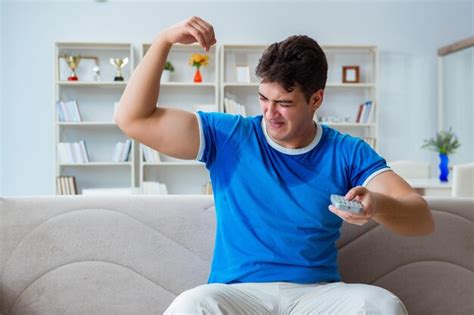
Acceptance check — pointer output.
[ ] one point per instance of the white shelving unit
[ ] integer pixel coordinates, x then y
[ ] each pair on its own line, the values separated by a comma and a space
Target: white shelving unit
342, 100
244, 93
95, 100
183, 176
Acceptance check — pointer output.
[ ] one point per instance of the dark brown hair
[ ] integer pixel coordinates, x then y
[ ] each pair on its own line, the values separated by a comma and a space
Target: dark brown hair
296, 60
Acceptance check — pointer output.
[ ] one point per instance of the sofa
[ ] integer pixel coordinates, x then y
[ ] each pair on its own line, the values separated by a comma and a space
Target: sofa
135, 254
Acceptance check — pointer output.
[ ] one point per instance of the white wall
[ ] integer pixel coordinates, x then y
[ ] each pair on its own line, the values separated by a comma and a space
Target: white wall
458, 101
408, 35
1, 98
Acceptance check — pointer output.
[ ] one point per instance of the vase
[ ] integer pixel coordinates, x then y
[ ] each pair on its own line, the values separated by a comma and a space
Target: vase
197, 76
443, 167
165, 76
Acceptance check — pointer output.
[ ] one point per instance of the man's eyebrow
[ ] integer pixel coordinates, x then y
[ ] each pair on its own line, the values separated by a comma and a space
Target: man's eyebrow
276, 101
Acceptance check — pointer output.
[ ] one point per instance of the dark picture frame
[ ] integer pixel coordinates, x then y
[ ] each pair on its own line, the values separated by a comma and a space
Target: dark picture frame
350, 74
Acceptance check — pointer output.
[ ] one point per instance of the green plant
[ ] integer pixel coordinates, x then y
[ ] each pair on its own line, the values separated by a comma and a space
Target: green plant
445, 142
169, 66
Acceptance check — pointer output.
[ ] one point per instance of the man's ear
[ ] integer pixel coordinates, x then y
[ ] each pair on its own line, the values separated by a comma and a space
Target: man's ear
316, 99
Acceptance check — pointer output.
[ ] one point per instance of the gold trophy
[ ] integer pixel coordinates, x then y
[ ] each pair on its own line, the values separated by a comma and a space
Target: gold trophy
118, 64
73, 63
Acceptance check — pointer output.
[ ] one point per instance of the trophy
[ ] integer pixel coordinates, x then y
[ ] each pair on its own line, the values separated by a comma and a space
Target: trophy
96, 70
118, 64
73, 63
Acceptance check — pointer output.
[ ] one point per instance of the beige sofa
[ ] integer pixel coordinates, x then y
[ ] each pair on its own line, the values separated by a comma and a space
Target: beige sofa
133, 255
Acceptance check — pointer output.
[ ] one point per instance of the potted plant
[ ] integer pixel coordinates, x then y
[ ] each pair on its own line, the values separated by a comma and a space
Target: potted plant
198, 60
165, 76
445, 143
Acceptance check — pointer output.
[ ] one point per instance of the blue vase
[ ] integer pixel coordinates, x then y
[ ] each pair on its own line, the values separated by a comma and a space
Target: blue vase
443, 167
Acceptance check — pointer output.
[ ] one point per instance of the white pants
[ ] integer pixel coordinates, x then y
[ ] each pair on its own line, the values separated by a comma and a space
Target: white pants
286, 298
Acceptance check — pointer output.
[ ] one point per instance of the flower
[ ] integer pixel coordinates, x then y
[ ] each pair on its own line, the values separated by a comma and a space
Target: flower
198, 60
445, 142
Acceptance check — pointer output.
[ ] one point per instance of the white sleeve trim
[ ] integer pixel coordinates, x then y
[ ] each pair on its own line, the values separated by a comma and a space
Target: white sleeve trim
368, 179
202, 141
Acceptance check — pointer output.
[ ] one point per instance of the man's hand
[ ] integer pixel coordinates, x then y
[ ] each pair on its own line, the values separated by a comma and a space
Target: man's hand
367, 199
189, 31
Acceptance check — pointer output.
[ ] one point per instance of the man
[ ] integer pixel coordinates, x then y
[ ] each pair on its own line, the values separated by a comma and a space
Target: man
272, 176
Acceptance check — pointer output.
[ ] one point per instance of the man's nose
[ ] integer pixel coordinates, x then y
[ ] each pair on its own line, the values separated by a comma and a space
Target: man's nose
272, 108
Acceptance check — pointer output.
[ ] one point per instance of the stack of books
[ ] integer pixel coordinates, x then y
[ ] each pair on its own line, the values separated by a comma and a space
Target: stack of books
232, 107
72, 152
122, 151
364, 113
68, 111
66, 185
150, 155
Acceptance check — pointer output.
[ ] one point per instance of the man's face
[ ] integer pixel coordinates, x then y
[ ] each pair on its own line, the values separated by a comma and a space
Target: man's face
289, 118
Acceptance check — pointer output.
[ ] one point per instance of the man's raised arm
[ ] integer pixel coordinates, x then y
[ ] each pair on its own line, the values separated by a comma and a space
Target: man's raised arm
171, 131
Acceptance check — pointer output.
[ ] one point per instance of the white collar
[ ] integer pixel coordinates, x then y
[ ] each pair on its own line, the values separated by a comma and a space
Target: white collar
282, 149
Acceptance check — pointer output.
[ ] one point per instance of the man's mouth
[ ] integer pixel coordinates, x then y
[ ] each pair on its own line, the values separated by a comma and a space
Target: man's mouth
275, 124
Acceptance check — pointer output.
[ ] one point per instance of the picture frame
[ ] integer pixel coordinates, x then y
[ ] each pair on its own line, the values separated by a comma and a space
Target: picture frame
350, 74
242, 73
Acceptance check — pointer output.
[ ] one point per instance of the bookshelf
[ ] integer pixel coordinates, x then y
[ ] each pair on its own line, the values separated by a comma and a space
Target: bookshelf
93, 96
241, 92
183, 176
342, 100
222, 79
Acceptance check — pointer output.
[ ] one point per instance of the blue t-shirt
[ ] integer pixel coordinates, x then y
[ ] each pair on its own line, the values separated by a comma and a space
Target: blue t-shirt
273, 221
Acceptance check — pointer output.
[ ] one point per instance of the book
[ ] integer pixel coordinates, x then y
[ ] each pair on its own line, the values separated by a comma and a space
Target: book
368, 110
85, 154
359, 113
364, 113
126, 150
75, 110
68, 111
150, 155
74, 185
234, 108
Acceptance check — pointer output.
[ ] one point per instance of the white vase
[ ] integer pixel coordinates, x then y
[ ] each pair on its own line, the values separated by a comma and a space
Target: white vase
165, 76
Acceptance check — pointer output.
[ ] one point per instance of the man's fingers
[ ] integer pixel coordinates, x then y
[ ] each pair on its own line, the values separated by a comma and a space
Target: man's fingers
202, 32
210, 30
207, 30
197, 34
357, 219
359, 190
204, 27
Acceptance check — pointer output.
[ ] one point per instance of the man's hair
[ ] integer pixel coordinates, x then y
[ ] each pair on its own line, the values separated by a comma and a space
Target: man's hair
296, 60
